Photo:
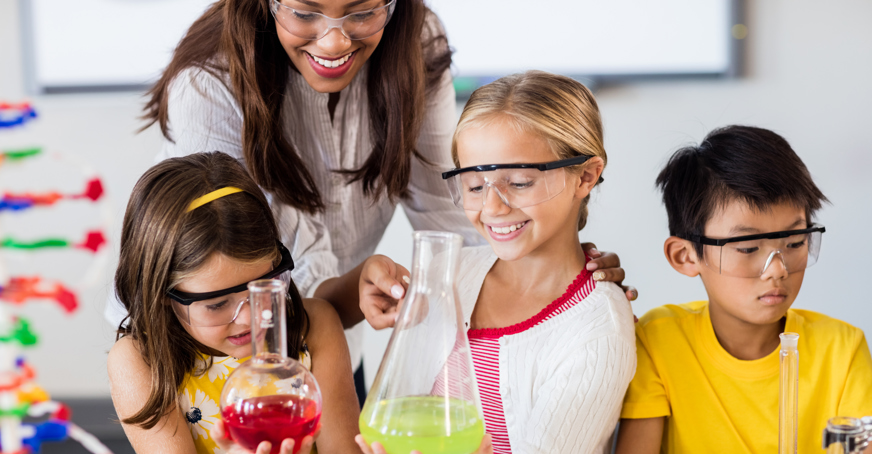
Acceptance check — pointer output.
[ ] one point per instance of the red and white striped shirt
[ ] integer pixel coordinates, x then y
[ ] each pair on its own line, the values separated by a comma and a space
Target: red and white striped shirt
485, 348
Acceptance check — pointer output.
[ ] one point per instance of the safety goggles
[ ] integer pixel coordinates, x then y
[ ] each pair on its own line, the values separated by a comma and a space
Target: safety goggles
517, 185
751, 255
313, 26
221, 307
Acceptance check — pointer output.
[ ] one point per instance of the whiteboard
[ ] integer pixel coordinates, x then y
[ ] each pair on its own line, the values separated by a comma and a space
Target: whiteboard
102, 44
87, 45
590, 37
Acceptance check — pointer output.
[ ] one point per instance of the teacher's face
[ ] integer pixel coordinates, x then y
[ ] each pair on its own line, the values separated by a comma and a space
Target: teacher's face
329, 63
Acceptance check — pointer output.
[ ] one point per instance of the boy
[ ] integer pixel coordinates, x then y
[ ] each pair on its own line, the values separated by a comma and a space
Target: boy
740, 209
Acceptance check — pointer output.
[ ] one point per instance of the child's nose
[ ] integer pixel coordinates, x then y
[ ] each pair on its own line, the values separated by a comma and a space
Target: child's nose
494, 201
775, 268
243, 313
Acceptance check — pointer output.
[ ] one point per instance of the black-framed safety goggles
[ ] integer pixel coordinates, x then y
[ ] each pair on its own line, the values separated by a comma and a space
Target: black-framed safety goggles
751, 255
221, 307
518, 185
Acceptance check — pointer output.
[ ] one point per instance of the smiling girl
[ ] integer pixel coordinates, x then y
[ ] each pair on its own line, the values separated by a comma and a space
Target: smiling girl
197, 229
553, 348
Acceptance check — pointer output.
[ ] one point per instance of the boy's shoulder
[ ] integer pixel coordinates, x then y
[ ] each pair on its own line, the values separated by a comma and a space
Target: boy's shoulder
825, 328
672, 314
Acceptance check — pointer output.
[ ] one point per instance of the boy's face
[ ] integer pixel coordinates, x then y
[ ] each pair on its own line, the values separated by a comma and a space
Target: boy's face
762, 300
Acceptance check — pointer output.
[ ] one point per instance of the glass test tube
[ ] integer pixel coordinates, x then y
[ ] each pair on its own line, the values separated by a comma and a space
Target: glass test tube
788, 416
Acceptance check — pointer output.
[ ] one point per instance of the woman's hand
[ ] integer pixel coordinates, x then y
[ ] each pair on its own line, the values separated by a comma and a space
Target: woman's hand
224, 442
382, 286
607, 267
486, 446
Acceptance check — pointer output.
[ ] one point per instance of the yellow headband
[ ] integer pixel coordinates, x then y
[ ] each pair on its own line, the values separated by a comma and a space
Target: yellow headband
216, 194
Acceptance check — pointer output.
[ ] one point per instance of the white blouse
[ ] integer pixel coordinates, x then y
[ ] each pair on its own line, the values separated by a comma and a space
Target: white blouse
204, 116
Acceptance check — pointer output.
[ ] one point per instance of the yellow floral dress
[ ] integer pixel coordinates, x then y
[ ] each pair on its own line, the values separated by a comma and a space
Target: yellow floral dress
200, 393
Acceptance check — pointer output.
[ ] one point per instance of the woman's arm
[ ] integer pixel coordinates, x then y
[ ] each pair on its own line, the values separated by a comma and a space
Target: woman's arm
130, 382
331, 366
640, 436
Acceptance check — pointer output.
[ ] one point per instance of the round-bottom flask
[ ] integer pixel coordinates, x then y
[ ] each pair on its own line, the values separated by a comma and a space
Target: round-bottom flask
270, 397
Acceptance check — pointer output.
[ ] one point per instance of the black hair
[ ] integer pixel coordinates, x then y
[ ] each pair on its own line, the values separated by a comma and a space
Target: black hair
753, 165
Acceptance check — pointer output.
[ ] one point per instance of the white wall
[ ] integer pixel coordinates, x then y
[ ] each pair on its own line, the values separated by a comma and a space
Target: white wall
808, 66
70, 359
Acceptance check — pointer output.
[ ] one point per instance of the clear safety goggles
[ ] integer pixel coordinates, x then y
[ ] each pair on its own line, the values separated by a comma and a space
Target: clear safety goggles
516, 185
752, 255
314, 26
222, 307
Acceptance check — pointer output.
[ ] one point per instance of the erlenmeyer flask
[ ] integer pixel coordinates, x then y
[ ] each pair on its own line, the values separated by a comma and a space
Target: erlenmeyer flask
424, 396
270, 397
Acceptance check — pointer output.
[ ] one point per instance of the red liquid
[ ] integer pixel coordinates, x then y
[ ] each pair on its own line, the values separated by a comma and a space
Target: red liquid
272, 419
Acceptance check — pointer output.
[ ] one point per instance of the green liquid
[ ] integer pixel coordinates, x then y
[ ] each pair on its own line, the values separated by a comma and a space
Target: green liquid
419, 423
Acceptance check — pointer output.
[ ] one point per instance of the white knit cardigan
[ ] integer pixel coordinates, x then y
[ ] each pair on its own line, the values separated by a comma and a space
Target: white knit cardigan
562, 382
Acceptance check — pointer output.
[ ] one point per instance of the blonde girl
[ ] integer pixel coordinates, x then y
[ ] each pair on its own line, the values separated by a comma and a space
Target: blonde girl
196, 230
553, 348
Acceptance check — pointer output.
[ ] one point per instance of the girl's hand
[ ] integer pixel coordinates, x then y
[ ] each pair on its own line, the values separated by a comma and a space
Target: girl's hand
224, 442
486, 446
382, 287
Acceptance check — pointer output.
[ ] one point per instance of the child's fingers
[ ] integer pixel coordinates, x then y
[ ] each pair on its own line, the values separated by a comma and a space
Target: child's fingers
287, 446
306, 444
220, 436
264, 448
487, 445
364, 448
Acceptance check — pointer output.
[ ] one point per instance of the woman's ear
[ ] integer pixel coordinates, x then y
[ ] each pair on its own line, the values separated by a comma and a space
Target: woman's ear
682, 256
589, 176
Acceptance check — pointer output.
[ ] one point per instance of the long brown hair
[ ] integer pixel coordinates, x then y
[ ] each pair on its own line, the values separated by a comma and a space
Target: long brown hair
557, 108
408, 63
162, 243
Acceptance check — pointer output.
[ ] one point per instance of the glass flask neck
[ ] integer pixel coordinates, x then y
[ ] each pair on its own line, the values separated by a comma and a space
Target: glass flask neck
428, 246
269, 338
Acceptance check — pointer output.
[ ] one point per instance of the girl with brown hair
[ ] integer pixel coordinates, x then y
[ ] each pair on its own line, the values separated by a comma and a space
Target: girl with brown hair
196, 230
339, 110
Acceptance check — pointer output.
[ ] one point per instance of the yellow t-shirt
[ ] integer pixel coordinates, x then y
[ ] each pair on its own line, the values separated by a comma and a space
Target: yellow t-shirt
717, 403
200, 394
